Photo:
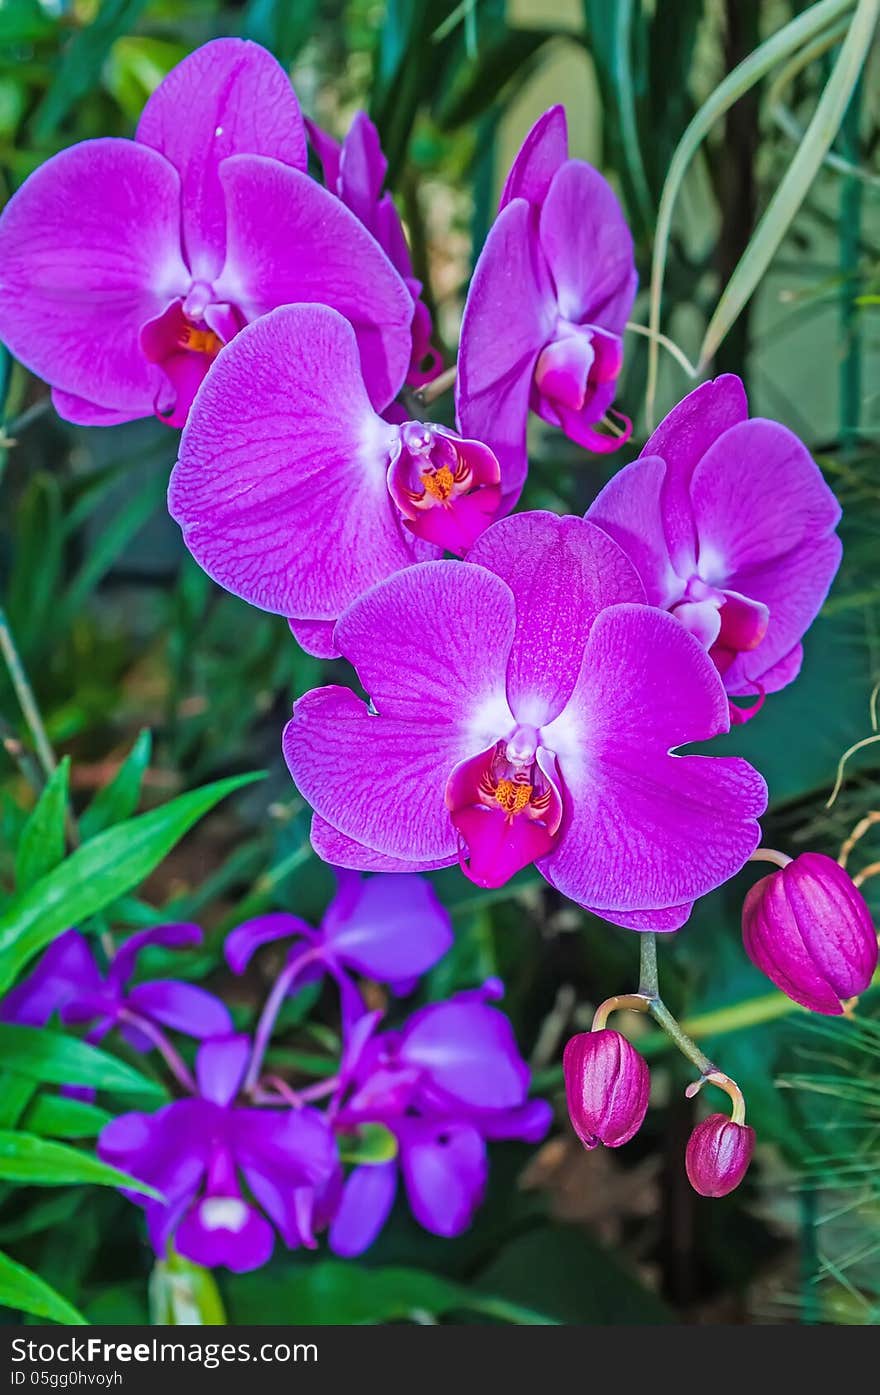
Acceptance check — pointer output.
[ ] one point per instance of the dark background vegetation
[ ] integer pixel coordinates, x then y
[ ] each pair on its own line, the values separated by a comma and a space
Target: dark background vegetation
120, 632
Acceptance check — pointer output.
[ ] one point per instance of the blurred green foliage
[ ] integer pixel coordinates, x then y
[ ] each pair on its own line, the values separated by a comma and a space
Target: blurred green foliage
153, 682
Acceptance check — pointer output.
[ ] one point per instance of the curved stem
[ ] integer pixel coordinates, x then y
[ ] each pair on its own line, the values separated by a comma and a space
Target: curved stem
437, 386
730, 1087
636, 1002
665, 342
172, 1057
271, 1009
649, 987
779, 859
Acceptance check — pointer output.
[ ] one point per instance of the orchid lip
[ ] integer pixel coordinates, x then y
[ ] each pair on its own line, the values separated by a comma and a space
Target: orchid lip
447, 489
506, 807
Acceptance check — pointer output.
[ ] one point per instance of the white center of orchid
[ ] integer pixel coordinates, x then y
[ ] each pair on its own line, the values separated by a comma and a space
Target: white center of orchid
223, 1213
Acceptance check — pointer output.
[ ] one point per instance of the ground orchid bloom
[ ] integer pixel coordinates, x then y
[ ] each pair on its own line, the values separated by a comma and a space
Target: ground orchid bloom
450, 1080
523, 708
126, 265
67, 981
197, 1152
547, 306
310, 497
355, 172
731, 527
391, 929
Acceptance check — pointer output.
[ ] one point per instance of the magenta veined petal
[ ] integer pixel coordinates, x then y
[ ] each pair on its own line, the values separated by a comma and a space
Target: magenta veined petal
280, 487
588, 247
543, 151
646, 830
89, 251
562, 572
290, 241
508, 318
229, 97
341, 851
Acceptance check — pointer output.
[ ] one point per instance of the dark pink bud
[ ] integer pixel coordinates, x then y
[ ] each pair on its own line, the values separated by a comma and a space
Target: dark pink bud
606, 1087
718, 1155
808, 928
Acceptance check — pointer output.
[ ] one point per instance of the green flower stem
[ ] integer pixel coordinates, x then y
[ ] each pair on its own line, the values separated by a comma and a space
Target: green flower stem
25, 695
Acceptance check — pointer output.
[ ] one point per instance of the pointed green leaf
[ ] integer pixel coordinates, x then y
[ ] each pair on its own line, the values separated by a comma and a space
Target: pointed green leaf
41, 1054
16, 1093
26, 1292
65, 1118
42, 841
119, 799
96, 874
37, 1162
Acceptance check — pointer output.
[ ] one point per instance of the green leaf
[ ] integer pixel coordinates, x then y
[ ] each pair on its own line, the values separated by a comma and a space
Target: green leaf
42, 1054
96, 874
350, 1295
36, 1162
119, 799
42, 841
16, 1093
80, 64
570, 1276
183, 1294
609, 30
24, 1291
371, 1144
478, 85
65, 1118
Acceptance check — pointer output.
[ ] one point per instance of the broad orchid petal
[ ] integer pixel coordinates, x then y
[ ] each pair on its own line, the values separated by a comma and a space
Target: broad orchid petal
315, 637
185, 1007
396, 929
588, 245
445, 1170
469, 1052
365, 1205
341, 851
225, 1230
229, 97
373, 778
83, 413
681, 440
89, 251
793, 588
629, 510
756, 495
293, 1146
647, 830
287, 504
244, 941
66, 972
447, 632
290, 241
508, 318
562, 572
220, 1067
543, 151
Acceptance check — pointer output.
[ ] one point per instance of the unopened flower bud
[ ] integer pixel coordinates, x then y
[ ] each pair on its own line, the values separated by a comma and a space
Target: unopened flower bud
808, 929
606, 1087
718, 1155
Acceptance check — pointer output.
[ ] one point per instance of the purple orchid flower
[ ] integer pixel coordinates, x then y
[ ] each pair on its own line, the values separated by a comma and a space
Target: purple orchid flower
311, 497
523, 708
450, 1080
196, 1153
547, 306
67, 980
392, 929
731, 527
355, 172
126, 265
